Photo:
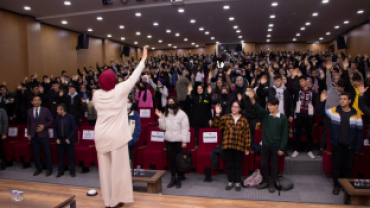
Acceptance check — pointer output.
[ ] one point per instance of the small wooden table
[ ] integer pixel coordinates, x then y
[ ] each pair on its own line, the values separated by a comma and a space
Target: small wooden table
37, 199
154, 184
354, 196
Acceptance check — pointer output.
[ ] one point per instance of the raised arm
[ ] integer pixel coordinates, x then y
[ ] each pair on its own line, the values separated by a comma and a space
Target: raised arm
125, 87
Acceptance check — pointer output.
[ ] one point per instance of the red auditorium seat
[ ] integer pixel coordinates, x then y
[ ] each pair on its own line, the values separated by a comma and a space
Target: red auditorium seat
154, 155
205, 147
327, 156
23, 149
14, 137
85, 147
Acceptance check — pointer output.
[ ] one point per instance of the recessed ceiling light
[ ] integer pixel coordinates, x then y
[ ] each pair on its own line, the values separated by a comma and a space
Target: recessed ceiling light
242, 41
168, 31
90, 30
122, 38
303, 28
181, 10
175, 47
321, 38
192, 21
121, 27
360, 11
298, 34
99, 18
169, 44
325, 1
185, 39
238, 31
207, 33
240, 36
217, 42
68, 3
155, 23
138, 14
193, 43
27, 8
271, 25
315, 14
201, 28
308, 23
226, 7
197, 46
272, 16
109, 35
64, 22
212, 38
268, 40
137, 33
159, 41
177, 34
269, 30
149, 36
294, 39
268, 35
235, 27
136, 42
336, 27
153, 48
274, 4
328, 33
231, 18
346, 22
147, 46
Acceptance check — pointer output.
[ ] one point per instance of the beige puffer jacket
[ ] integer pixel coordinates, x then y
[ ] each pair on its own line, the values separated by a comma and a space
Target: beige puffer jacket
176, 127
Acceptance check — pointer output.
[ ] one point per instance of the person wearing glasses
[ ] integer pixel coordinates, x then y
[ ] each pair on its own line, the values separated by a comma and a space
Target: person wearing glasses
236, 142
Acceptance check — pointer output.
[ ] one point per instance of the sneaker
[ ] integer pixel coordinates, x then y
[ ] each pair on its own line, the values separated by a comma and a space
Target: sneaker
229, 186
295, 154
319, 154
238, 186
262, 185
310, 154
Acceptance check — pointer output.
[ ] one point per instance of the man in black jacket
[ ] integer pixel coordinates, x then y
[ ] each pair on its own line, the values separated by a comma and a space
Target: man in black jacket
54, 99
35, 90
74, 103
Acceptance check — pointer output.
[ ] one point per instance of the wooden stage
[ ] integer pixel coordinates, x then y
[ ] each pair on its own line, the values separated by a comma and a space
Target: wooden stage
145, 200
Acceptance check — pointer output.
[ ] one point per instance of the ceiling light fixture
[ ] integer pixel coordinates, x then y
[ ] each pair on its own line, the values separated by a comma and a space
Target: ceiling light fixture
109, 35
294, 39
123, 38
121, 27
308, 23
321, 38
360, 11
328, 33
159, 41
235, 27
298, 34
197, 46
168, 31
269, 30
192, 21
325, 1
207, 33
315, 14
137, 33
64, 22
231, 18
175, 47
136, 42
193, 43
169, 44
272, 16
268, 40
99, 18
138, 14
67, 3
27, 8
217, 42
201, 28
303, 28
274, 4
181, 10
155, 23
238, 31
185, 39
346, 22
336, 27
212, 38
268, 35
177, 34
149, 36
226, 7
90, 30
271, 25
153, 48
240, 36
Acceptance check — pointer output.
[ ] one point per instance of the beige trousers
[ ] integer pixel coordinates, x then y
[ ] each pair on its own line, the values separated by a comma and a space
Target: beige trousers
115, 177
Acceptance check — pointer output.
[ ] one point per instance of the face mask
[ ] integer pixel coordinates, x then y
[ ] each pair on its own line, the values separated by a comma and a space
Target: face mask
170, 106
247, 93
129, 105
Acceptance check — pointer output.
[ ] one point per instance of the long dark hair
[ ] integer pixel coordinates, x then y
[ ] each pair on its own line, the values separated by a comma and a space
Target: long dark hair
175, 109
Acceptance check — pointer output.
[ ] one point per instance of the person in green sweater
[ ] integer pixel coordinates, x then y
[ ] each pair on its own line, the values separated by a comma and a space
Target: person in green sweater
274, 138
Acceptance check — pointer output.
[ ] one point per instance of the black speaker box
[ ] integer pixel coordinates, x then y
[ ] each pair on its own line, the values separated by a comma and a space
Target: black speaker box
83, 42
341, 43
126, 51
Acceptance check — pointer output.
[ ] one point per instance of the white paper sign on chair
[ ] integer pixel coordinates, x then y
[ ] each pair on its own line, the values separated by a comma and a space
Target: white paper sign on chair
13, 131
210, 137
157, 136
188, 138
25, 132
88, 134
51, 133
144, 113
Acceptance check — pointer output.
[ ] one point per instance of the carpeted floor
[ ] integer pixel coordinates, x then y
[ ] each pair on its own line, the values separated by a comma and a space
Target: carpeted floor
311, 185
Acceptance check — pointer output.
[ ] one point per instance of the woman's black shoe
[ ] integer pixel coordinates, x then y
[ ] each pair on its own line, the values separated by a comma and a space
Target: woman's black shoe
172, 183
178, 182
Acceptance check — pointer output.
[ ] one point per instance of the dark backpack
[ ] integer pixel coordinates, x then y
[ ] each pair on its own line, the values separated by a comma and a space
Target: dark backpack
183, 161
283, 184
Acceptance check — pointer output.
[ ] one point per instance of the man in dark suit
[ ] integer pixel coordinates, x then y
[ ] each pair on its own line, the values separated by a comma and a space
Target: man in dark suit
64, 134
39, 119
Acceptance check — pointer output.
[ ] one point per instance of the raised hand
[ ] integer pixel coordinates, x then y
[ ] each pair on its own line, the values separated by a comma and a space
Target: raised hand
329, 65
346, 64
240, 96
145, 54
323, 96
251, 94
158, 113
209, 89
362, 90
263, 79
190, 88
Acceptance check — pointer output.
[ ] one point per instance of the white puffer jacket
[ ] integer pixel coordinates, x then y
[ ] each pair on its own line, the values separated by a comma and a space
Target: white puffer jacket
176, 127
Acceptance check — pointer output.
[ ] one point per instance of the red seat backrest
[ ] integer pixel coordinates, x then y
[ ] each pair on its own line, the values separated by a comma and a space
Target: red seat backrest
155, 139
258, 136
14, 133
86, 135
328, 144
208, 145
146, 115
143, 135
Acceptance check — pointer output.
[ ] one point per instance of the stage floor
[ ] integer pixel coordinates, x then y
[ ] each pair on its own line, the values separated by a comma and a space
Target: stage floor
144, 200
